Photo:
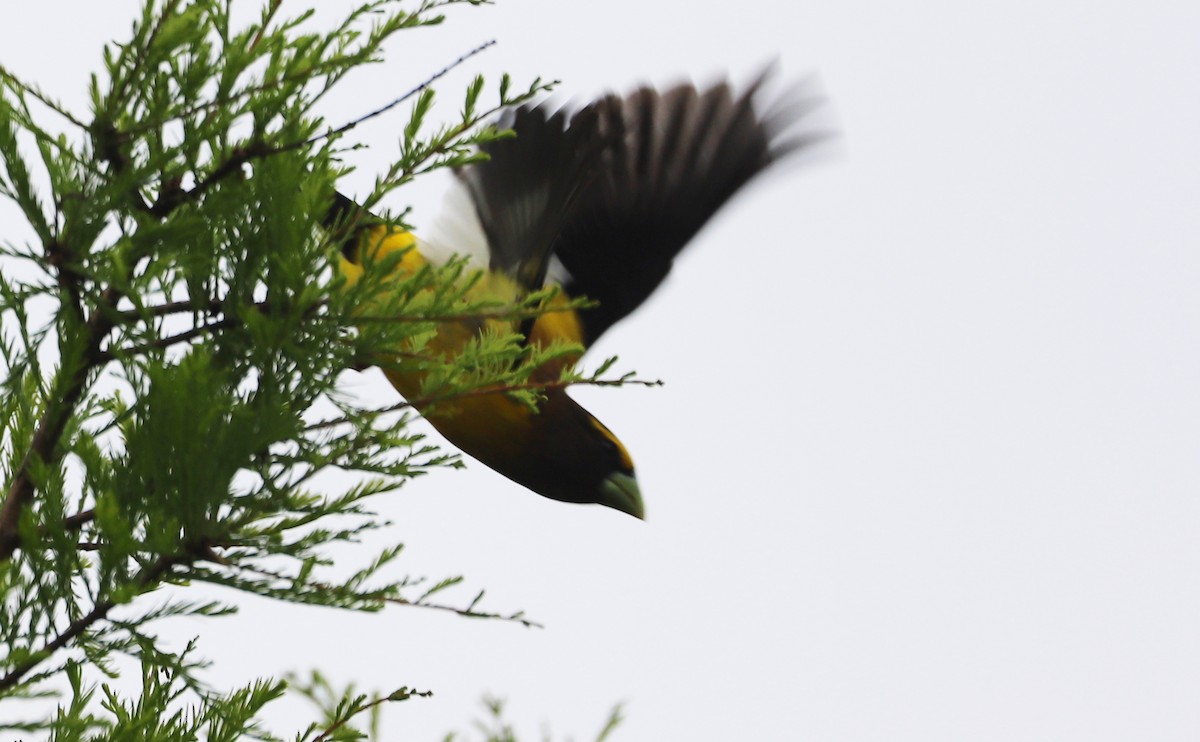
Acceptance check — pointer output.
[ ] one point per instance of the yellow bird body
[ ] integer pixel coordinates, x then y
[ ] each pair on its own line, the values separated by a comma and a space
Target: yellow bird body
598, 202
493, 426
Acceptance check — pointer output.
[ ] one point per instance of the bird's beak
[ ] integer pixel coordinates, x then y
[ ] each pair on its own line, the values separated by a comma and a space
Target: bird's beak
620, 491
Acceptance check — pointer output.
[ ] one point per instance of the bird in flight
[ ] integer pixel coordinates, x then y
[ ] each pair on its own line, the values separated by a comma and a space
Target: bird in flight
599, 202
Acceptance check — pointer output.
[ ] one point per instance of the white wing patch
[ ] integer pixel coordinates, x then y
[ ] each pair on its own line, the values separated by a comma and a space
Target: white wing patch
456, 230
556, 272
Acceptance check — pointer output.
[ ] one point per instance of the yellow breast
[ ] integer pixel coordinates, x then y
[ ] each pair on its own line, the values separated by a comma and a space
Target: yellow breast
495, 420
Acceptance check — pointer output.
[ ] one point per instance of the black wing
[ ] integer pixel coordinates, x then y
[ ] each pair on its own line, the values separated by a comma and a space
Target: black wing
618, 190
525, 191
674, 159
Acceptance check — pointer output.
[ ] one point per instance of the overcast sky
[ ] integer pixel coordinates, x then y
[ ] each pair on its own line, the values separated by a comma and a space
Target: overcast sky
926, 463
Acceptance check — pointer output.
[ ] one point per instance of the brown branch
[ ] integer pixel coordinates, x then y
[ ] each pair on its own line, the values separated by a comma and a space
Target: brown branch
74, 523
270, 15
150, 576
172, 195
172, 307
58, 256
52, 424
79, 520
160, 343
177, 307
212, 306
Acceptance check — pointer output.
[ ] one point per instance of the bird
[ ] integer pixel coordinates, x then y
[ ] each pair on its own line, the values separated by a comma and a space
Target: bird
596, 201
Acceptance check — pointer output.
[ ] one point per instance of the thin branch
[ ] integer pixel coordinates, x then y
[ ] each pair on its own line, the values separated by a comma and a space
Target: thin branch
420, 402
160, 343
400, 695
179, 307
41, 98
525, 386
151, 575
398, 175
79, 520
75, 523
140, 58
52, 424
170, 198
498, 314
384, 109
468, 612
307, 74
173, 307
172, 195
270, 15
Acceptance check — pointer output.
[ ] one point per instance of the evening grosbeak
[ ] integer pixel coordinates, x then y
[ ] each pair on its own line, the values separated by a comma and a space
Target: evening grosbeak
599, 202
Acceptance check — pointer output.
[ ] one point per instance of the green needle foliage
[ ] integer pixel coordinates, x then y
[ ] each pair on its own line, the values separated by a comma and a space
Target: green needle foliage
172, 353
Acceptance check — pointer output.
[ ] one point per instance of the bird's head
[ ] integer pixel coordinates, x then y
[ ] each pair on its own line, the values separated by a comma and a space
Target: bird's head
571, 456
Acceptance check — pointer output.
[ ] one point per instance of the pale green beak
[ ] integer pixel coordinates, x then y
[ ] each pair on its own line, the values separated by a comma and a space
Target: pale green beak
620, 491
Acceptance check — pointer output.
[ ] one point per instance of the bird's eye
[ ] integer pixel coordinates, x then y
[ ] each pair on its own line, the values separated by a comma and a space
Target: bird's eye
613, 446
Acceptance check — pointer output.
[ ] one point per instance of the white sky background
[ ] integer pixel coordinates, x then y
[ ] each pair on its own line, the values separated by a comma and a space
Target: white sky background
925, 466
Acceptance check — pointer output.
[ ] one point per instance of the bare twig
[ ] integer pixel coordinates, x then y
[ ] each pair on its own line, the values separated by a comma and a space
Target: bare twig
384, 109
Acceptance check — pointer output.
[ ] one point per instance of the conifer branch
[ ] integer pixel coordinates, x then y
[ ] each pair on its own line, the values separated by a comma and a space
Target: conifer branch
149, 577
53, 422
167, 342
186, 306
528, 386
196, 185
35, 93
384, 597
338, 131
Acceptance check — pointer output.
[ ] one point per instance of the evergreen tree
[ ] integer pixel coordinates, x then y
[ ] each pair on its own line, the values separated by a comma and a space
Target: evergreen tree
173, 336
